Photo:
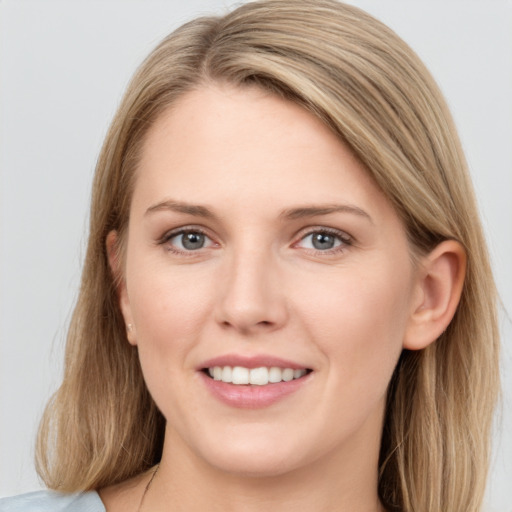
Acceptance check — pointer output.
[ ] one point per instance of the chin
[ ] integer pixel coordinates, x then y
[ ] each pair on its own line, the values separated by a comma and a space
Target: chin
254, 455
255, 466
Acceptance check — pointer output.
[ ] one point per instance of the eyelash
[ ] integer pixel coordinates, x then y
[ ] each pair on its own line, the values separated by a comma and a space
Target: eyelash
344, 239
165, 239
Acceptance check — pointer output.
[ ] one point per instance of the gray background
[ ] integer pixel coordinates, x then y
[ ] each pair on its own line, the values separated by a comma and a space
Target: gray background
63, 67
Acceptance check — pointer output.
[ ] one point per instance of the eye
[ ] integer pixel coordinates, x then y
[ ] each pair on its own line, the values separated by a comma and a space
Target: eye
324, 240
187, 240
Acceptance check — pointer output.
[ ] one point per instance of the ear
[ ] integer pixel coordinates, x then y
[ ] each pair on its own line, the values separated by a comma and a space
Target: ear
438, 290
115, 263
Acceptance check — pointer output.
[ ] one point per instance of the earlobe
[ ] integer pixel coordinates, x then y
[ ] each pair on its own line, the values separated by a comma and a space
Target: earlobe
438, 291
114, 260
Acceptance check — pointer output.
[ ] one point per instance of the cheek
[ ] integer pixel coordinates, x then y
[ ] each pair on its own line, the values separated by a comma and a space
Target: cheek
169, 311
168, 304
169, 308
358, 321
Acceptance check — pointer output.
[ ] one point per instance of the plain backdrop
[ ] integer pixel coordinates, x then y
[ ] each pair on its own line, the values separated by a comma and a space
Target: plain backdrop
63, 68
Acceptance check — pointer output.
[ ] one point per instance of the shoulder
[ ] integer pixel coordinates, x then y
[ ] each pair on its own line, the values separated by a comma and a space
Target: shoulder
51, 501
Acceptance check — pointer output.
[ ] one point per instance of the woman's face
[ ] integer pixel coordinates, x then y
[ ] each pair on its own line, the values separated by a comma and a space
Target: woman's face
257, 241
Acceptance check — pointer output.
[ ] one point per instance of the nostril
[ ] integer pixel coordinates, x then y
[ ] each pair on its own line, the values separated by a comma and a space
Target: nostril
263, 323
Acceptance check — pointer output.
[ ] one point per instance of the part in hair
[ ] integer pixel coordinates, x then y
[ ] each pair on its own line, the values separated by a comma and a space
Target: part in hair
368, 86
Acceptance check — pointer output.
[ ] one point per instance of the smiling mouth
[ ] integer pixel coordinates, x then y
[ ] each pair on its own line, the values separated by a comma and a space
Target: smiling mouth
261, 376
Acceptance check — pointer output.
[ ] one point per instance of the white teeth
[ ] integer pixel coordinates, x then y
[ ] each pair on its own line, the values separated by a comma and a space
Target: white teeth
275, 374
287, 374
258, 376
255, 376
240, 375
226, 374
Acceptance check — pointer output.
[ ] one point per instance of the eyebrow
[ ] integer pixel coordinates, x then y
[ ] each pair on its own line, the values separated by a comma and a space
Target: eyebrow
182, 207
314, 211
290, 214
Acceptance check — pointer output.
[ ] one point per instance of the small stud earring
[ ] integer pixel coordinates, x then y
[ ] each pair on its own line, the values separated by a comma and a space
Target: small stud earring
129, 327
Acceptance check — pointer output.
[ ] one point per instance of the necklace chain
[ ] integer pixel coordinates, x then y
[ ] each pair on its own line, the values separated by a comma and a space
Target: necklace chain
147, 488
151, 481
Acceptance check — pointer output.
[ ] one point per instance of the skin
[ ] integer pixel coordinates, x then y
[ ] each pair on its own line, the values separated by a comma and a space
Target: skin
259, 286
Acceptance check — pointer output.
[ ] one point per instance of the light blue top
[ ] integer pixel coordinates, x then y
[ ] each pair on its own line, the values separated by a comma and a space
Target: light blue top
51, 501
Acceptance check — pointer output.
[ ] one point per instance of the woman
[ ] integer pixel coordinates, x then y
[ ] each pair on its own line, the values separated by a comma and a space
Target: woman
242, 337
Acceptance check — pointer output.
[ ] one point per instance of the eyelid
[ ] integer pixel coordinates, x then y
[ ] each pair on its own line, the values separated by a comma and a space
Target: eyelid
178, 231
346, 239
324, 229
170, 234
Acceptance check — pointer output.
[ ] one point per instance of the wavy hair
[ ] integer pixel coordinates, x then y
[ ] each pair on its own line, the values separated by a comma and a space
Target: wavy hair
368, 86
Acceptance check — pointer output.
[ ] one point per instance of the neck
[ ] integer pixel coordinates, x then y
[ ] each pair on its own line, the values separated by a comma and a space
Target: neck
346, 483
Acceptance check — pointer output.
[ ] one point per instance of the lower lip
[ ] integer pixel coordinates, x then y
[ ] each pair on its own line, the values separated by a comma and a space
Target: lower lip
252, 396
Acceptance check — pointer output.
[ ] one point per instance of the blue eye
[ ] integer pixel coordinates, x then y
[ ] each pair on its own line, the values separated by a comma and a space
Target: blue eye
189, 240
323, 241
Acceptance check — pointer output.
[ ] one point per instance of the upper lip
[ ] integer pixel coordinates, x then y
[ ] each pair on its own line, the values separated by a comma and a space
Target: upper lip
254, 361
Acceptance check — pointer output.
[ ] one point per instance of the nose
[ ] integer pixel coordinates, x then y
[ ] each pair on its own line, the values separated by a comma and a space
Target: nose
251, 298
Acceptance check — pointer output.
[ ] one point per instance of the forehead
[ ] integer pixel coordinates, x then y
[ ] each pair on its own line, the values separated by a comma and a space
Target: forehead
227, 145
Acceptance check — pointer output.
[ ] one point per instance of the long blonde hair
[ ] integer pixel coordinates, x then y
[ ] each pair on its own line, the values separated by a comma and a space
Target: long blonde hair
368, 86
